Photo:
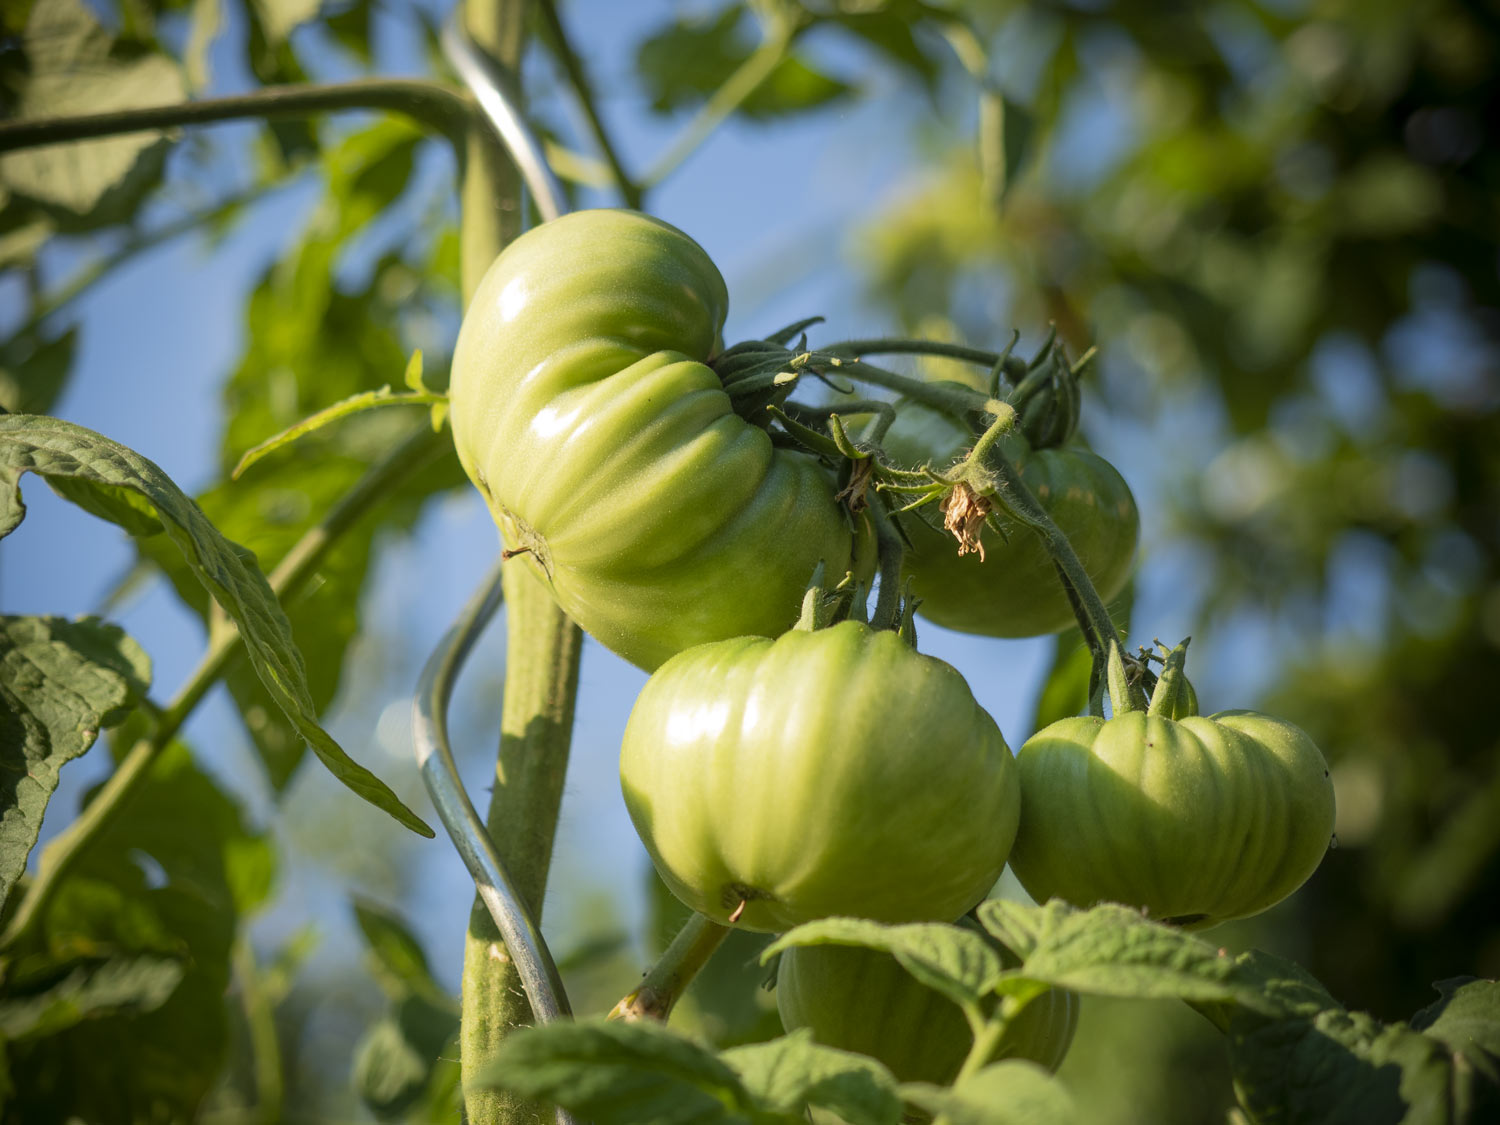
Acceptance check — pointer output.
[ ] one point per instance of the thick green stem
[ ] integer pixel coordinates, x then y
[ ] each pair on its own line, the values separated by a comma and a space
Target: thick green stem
541, 685
666, 981
286, 580
543, 647
428, 102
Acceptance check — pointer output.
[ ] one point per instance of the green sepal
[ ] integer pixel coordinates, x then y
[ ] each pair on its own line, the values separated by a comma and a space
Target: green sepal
1123, 695
757, 374
1174, 697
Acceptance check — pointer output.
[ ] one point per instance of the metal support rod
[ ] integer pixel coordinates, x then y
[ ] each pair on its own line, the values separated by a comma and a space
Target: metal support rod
481, 76
429, 727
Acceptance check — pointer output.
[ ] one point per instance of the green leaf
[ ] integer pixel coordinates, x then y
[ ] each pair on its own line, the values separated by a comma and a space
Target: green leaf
72, 72
168, 878
402, 963
683, 64
1113, 951
1341, 1068
956, 962
395, 1062
206, 20
786, 1075
890, 31
619, 1074
33, 372
1003, 1093
61, 683
366, 400
57, 449
1466, 1020
281, 17
121, 985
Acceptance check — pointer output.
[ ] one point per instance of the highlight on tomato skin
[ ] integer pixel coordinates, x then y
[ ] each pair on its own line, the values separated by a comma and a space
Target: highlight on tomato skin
610, 456
828, 772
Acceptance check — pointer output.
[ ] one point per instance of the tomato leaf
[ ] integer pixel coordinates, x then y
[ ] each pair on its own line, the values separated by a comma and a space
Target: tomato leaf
72, 71
1114, 951
168, 878
118, 986
56, 449
955, 962
683, 64
395, 1062
61, 683
401, 964
1004, 1093
793, 1072
620, 1074
366, 400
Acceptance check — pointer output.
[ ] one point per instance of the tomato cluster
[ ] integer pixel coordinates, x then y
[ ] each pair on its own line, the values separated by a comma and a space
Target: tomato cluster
779, 775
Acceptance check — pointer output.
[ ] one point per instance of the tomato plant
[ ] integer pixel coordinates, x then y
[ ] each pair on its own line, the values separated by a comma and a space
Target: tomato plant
828, 772
609, 454
862, 1000
1010, 587
1195, 819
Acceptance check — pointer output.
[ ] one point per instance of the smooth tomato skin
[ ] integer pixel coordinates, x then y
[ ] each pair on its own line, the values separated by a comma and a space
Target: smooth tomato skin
583, 411
828, 772
862, 1000
1197, 820
1014, 591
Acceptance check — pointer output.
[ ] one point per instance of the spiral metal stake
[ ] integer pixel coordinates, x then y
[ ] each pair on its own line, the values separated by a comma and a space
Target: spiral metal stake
480, 74
429, 728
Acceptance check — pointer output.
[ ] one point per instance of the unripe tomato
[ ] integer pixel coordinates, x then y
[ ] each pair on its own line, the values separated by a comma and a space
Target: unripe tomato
862, 1000
608, 452
1197, 820
1014, 590
827, 772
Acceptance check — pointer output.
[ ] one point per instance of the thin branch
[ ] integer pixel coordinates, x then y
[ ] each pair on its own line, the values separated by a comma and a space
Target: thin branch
140, 242
748, 77
557, 38
286, 580
430, 103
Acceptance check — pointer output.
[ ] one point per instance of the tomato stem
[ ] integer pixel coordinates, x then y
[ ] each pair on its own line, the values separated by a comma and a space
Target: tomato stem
952, 400
666, 981
997, 476
431, 103
901, 345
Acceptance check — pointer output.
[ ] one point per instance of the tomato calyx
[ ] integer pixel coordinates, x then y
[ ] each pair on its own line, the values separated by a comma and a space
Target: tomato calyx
1173, 696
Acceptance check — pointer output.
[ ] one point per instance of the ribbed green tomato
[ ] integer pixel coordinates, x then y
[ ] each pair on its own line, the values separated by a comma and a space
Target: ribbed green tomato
1197, 820
862, 1000
608, 452
828, 772
1014, 590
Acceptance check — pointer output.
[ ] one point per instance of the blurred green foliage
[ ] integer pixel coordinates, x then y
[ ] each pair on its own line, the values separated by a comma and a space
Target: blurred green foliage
1277, 219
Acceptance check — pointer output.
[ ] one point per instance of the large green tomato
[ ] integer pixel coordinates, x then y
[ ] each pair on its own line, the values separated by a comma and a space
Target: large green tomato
862, 1000
827, 772
1196, 820
1014, 590
608, 452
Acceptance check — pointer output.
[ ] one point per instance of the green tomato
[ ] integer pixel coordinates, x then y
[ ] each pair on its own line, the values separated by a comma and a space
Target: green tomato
827, 772
1197, 820
1014, 590
608, 452
862, 1000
